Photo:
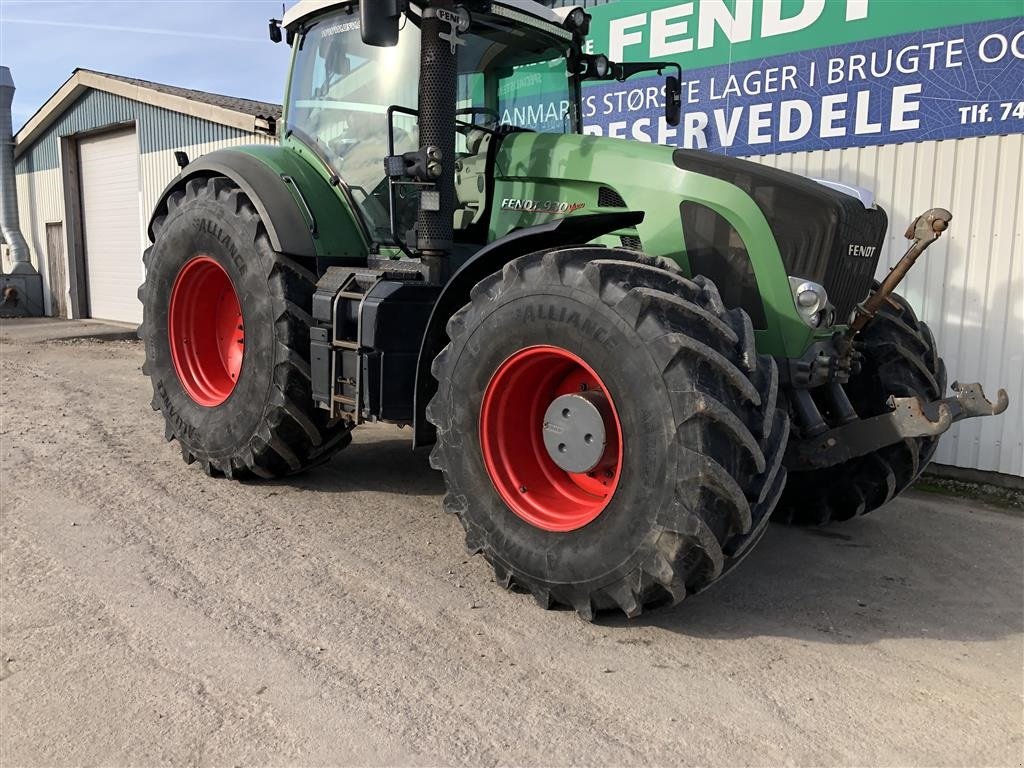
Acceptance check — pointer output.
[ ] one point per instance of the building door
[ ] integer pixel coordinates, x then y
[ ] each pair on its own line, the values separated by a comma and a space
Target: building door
110, 223
56, 269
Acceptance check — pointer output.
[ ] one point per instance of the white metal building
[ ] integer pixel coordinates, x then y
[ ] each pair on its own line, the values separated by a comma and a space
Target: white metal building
90, 166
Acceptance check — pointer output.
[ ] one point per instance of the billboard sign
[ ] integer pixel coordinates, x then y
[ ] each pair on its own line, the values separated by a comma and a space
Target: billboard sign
793, 75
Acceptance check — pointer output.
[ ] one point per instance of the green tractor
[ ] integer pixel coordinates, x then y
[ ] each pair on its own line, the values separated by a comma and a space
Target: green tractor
627, 358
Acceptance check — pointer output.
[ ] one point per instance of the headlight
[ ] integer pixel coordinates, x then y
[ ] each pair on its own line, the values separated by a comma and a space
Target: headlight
811, 303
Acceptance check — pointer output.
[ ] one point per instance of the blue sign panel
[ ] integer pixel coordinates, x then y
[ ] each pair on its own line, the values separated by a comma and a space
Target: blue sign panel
944, 83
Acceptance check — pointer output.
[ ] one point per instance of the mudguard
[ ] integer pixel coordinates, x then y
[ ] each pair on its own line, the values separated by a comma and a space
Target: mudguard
572, 230
288, 228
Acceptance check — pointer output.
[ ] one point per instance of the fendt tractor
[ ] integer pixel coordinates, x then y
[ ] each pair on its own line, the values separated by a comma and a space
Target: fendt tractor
626, 357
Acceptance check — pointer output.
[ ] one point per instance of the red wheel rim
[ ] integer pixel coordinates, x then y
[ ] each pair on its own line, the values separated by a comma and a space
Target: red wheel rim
512, 441
204, 326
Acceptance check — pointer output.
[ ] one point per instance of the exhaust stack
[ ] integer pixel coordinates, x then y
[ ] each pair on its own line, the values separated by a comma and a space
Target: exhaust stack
21, 261
437, 97
21, 291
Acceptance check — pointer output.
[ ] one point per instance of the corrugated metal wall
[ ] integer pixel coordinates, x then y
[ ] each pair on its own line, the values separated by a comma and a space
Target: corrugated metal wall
160, 132
969, 286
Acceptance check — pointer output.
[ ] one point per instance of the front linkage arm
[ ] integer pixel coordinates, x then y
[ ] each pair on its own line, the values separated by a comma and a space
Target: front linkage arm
924, 230
910, 417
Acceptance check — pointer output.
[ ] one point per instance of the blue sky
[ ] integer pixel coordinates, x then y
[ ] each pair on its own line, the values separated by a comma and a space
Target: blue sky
212, 45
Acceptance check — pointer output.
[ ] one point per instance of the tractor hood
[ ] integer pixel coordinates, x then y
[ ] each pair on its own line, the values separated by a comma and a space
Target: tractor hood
747, 226
544, 176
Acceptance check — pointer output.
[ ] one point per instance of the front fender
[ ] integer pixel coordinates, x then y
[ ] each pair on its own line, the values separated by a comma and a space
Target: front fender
572, 230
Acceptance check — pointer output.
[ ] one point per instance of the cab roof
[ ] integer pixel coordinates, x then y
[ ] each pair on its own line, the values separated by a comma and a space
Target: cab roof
306, 8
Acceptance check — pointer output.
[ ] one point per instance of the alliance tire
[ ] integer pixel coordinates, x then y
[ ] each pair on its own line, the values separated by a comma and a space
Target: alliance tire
900, 358
268, 426
703, 439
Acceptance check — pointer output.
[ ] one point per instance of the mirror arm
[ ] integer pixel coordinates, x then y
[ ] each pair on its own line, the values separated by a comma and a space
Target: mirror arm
623, 72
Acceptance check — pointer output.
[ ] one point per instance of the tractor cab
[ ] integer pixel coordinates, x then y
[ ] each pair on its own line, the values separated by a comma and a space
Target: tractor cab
358, 98
357, 103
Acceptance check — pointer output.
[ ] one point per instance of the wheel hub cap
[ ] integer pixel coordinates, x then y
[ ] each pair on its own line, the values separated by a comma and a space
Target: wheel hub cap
574, 432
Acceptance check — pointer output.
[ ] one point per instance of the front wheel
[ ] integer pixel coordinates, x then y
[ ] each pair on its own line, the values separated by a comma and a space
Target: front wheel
608, 435
226, 332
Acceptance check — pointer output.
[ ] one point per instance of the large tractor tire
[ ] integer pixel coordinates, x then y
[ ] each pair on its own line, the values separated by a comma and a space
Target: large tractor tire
900, 359
226, 332
569, 350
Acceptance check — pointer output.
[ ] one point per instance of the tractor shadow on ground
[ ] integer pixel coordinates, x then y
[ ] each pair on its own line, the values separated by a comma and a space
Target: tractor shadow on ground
382, 461
906, 571
922, 567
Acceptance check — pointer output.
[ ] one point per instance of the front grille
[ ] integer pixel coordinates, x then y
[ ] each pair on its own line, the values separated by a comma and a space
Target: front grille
848, 278
632, 242
814, 226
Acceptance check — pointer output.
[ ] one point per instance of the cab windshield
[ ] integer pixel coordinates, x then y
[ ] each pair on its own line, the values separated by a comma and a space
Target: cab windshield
509, 74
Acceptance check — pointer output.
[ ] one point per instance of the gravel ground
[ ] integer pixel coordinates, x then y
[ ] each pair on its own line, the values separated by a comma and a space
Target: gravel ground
151, 615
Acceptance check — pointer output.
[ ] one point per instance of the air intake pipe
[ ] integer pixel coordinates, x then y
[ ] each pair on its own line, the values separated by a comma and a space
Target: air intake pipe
21, 261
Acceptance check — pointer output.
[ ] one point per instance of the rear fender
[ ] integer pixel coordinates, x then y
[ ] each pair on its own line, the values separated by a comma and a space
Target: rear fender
288, 230
303, 214
572, 230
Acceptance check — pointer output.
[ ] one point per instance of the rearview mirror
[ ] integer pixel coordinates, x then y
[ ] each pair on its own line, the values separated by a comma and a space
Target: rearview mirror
379, 22
673, 100
275, 30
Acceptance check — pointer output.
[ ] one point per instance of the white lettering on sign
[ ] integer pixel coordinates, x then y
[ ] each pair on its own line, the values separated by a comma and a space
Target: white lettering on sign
772, 22
829, 116
665, 25
684, 27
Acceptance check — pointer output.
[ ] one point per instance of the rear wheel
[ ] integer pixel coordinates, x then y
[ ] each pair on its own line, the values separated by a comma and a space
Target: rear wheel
900, 358
226, 332
608, 435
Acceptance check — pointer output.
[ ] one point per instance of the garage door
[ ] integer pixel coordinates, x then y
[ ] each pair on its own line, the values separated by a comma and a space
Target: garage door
110, 220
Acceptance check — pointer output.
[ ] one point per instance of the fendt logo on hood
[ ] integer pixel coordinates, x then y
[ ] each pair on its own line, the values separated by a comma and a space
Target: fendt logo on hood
539, 206
861, 251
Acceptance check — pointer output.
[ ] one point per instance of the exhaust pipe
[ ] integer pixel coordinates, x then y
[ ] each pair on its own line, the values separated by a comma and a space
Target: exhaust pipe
437, 97
21, 261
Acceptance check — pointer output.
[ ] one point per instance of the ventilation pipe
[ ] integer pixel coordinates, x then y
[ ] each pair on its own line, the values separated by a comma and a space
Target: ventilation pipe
21, 262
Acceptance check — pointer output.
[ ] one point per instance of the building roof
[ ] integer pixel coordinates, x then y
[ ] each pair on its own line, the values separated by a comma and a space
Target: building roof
244, 114
247, 106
